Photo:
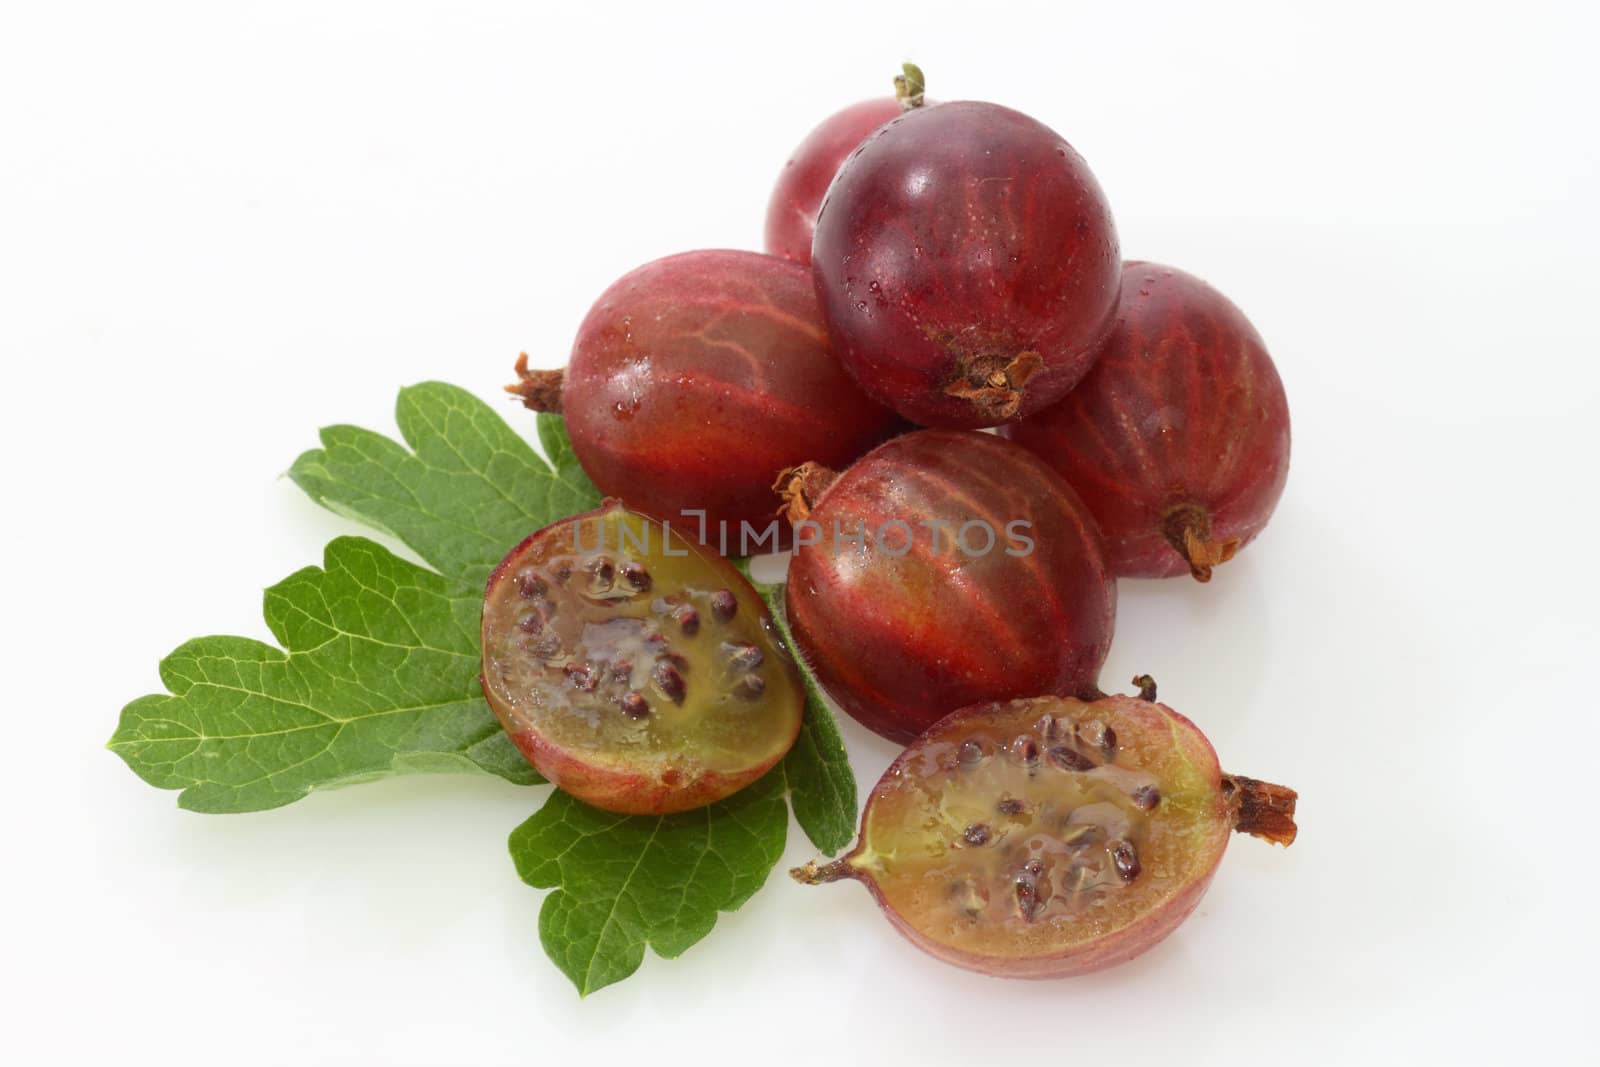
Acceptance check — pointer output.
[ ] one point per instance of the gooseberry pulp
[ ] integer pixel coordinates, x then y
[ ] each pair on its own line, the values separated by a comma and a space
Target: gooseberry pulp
694, 380
796, 199
1049, 837
633, 668
967, 264
974, 574
1178, 439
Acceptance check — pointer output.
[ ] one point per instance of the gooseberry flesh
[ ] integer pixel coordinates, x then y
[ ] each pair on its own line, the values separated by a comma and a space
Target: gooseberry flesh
1050, 837
968, 265
694, 380
635, 669
1178, 439
944, 568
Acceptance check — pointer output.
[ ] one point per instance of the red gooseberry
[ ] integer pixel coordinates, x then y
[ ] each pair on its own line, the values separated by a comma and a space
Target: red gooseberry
1178, 439
694, 380
943, 568
967, 265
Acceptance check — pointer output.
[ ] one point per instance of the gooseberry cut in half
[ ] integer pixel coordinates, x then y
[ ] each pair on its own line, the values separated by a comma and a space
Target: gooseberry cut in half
633, 668
967, 264
1049, 837
694, 380
945, 568
1178, 439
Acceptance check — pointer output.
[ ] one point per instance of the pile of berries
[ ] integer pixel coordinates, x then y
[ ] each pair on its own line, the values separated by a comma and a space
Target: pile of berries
934, 269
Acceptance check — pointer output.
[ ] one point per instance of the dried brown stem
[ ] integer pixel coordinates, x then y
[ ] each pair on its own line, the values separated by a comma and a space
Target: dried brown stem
1147, 687
814, 874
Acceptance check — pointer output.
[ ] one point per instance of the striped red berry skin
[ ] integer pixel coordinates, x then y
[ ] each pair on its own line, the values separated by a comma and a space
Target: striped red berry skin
796, 199
1000, 590
1178, 439
695, 380
967, 264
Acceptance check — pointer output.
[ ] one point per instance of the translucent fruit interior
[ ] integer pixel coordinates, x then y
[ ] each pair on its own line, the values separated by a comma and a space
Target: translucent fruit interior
622, 644
1037, 830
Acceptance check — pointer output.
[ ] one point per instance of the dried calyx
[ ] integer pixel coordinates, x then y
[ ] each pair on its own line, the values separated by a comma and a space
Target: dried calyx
799, 489
1187, 528
994, 386
539, 390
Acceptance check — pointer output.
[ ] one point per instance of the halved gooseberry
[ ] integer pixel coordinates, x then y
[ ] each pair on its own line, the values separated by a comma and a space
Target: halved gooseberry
633, 668
1048, 837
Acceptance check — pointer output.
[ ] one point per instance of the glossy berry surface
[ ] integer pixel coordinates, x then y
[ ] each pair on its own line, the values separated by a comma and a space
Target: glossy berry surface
792, 211
1049, 837
982, 579
967, 264
1178, 439
634, 669
695, 379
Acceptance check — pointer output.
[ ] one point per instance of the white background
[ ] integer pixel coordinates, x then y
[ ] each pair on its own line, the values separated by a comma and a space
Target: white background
225, 225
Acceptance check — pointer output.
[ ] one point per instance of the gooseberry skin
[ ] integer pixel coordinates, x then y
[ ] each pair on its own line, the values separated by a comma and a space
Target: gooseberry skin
1178, 438
633, 668
967, 264
900, 640
796, 199
696, 378
959, 896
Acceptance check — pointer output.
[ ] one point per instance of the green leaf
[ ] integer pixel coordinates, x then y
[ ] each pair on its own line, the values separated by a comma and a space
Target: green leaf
377, 675
822, 787
626, 881
466, 490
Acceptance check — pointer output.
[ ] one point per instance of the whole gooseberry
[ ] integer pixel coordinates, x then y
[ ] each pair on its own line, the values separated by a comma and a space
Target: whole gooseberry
944, 568
694, 380
1178, 439
967, 265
